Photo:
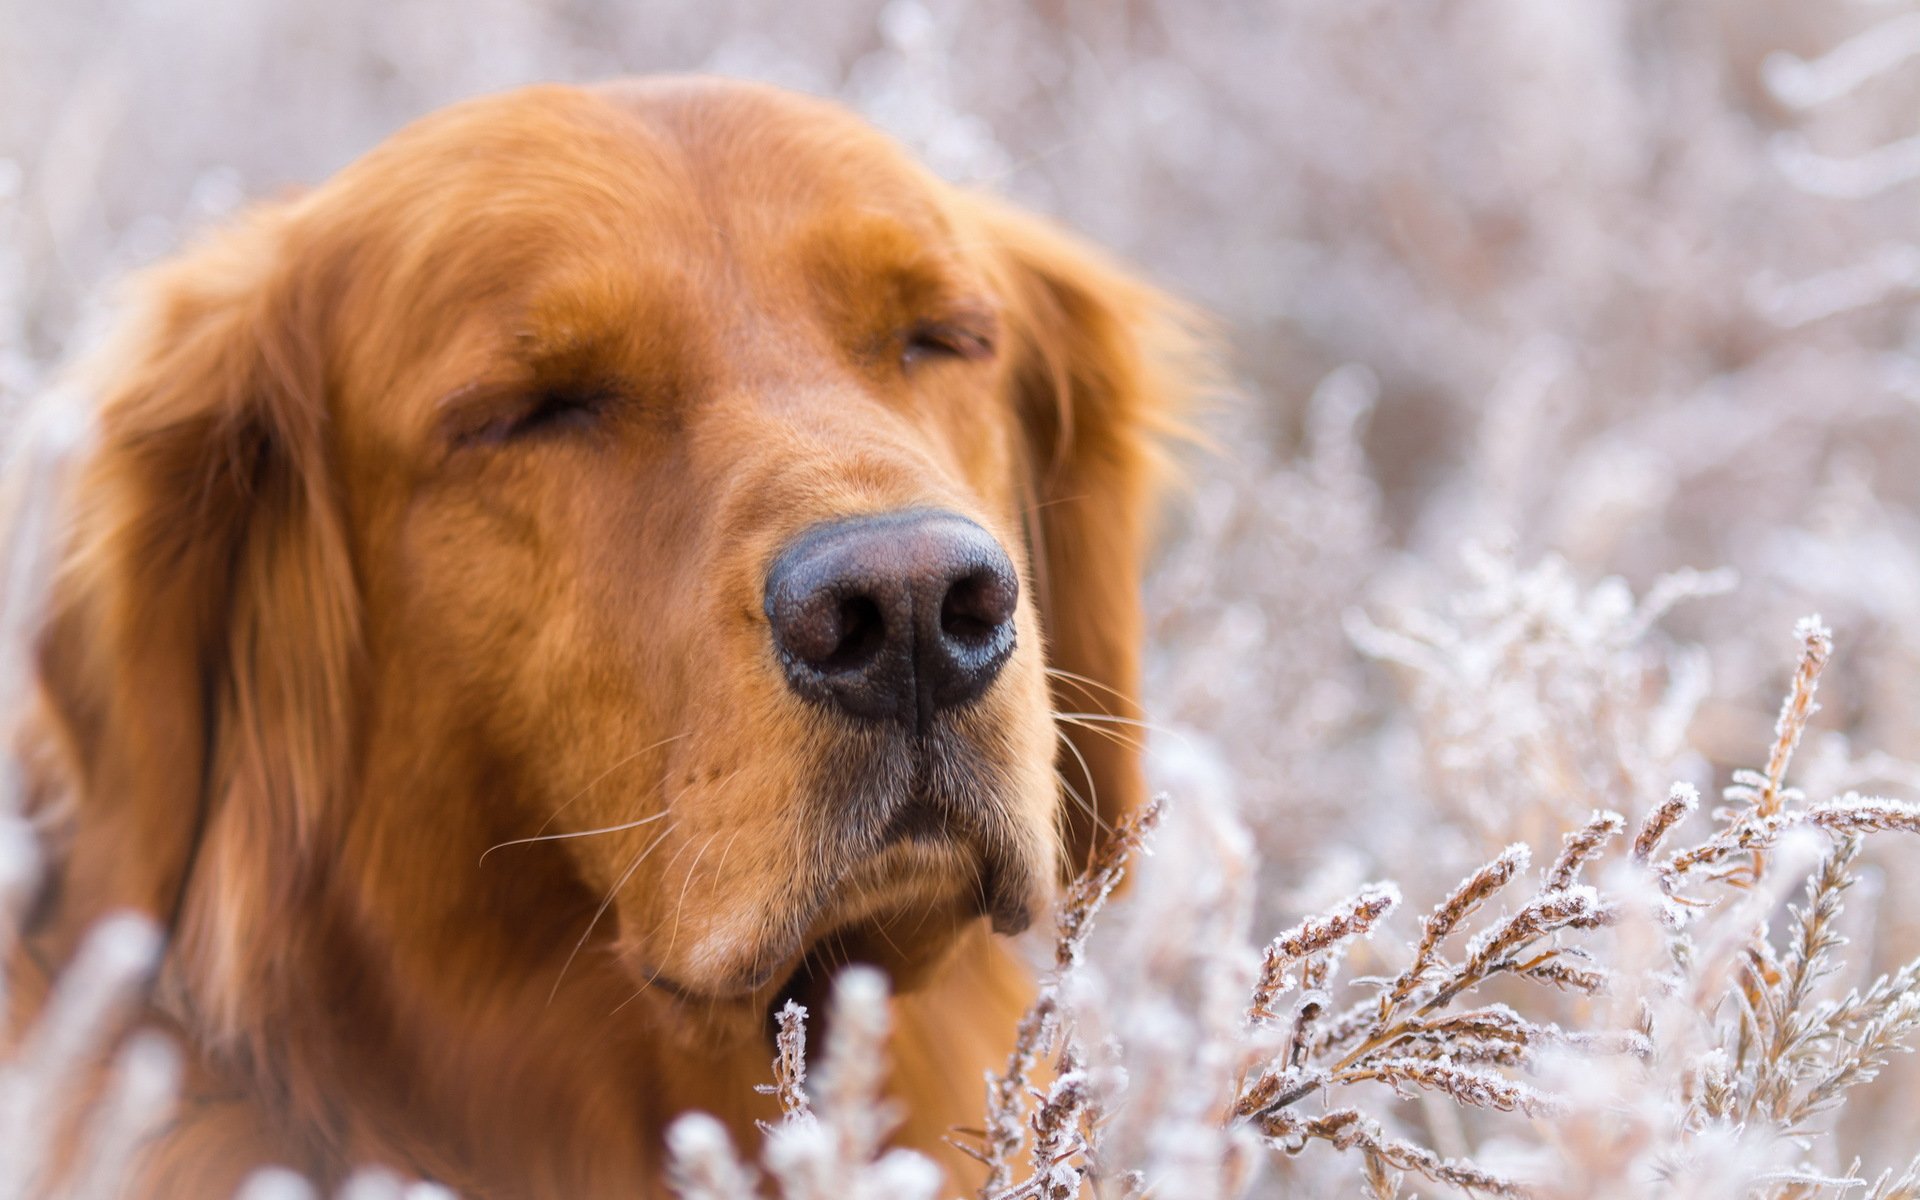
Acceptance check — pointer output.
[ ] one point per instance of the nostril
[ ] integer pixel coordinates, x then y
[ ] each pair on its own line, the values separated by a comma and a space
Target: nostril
976, 606
893, 617
832, 633
863, 633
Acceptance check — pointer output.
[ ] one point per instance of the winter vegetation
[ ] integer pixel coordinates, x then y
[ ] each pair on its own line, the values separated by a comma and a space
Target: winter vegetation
1523, 834
1678, 1026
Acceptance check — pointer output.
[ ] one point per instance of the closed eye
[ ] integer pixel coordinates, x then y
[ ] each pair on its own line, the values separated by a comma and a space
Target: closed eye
931, 340
556, 410
545, 413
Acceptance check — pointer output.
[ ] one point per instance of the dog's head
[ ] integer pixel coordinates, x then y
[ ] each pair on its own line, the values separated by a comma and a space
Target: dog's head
670, 472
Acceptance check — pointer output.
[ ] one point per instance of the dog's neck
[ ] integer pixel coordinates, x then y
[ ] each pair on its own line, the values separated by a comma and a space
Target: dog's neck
398, 1022
439, 1035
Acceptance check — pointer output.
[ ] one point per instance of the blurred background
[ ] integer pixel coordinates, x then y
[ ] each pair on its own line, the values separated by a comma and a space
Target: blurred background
1528, 306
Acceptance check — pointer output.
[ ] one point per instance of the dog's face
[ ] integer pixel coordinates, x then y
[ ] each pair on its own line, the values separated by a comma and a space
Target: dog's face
668, 479
696, 507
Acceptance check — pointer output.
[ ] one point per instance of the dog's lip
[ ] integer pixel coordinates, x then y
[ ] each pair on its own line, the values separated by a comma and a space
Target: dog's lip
978, 879
740, 991
996, 893
770, 968
932, 850
1006, 904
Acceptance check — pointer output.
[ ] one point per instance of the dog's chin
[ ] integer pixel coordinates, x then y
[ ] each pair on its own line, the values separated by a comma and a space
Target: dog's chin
902, 910
921, 840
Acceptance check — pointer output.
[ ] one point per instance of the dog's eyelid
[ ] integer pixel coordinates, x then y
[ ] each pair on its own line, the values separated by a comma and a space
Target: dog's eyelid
971, 337
554, 407
498, 414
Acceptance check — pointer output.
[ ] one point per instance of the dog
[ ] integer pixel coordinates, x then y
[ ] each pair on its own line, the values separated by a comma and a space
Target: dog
554, 592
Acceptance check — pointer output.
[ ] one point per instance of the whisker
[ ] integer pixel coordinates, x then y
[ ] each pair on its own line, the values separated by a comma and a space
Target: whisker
556, 837
1087, 681
1073, 793
675, 860
605, 904
680, 904
1115, 736
648, 982
886, 937
918, 925
720, 867
719, 870
1111, 719
1091, 802
596, 780
980, 889
676, 915
1058, 501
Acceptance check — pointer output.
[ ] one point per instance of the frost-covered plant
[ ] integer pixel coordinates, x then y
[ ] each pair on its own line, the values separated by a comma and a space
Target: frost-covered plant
1721, 1030
1067, 1121
1702, 1058
50, 1073
829, 1146
1531, 687
1613, 286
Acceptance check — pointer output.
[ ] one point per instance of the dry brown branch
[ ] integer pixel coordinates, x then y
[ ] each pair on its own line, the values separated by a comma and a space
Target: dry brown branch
790, 1064
1816, 647
1854, 813
1582, 846
1007, 1092
1465, 1085
1317, 936
1682, 799
1816, 642
1445, 918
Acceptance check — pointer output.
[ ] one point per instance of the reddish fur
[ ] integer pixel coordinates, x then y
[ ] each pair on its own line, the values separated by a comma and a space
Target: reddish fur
375, 651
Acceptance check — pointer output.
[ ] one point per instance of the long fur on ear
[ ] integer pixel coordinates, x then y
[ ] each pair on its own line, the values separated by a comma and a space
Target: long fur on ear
1104, 368
196, 663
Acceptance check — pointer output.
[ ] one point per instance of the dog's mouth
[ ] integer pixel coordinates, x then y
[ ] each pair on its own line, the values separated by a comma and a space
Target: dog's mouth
899, 911
927, 846
912, 815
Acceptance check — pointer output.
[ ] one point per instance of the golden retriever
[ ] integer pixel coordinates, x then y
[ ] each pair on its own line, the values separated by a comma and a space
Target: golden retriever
558, 589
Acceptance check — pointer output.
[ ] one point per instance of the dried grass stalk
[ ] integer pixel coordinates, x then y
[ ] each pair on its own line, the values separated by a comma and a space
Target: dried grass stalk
790, 1064
1007, 1093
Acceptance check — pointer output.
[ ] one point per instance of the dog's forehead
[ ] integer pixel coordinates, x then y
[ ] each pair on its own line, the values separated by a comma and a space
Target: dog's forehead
684, 186
656, 164
678, 209
764, 144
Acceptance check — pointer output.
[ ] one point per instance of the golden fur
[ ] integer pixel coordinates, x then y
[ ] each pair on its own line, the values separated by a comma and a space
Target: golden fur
428, 514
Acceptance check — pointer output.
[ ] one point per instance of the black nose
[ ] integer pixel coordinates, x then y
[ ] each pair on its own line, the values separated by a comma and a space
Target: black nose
894, 617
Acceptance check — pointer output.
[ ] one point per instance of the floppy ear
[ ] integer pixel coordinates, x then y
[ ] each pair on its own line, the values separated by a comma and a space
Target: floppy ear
196, 658
1103, 368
